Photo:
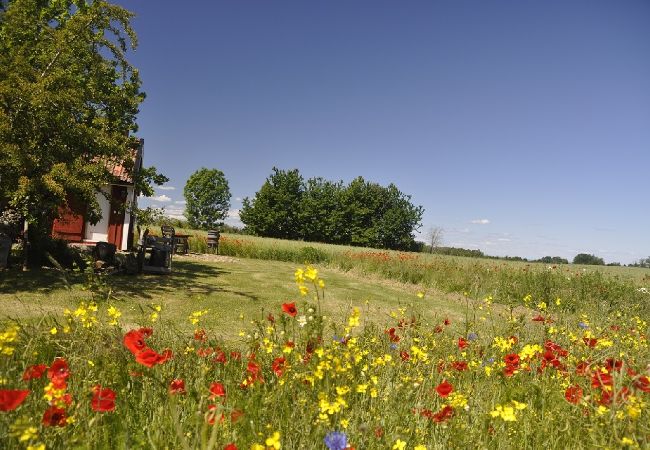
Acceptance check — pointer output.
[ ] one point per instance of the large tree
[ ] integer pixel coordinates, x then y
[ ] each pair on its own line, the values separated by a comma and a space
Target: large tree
68, 103
274, 212
208, 198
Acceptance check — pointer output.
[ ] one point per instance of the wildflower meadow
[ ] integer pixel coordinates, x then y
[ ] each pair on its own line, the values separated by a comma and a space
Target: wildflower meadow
531, 374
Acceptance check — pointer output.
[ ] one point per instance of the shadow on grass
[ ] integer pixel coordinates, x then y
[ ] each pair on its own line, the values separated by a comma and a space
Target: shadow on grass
187, 278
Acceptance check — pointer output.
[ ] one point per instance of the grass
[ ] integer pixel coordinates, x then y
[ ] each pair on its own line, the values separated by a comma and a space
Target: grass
366, 357
228, 288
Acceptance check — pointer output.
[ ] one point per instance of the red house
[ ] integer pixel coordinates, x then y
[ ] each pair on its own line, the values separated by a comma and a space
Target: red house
116, 225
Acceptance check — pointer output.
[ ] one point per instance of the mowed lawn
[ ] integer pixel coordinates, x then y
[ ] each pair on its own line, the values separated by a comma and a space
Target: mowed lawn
234, 291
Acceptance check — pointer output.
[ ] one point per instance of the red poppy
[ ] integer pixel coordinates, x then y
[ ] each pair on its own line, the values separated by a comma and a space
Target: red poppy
538, 318
437, 329
459, 365
230, 446
379, 432
200, 335
598, 380
220, 356
573, 394
590, 342
643, 383
236, 356
613, 365
11, 399
35, 371
404, 355
509, 371
55, 417
134, 341
177, 386
148, 357
462, 343
270, 318
253, 367
511, 359
444, 414
58, 371
278, 366
447, 322
444, 389
204, 351
217, 390
103, 399
290, 308
582, 368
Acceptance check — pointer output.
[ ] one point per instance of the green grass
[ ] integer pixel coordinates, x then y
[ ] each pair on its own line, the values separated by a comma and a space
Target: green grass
229, 289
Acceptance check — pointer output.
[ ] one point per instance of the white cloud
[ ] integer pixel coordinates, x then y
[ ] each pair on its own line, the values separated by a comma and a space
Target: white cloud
238, 199
175, 213
166, 188
161, 198
233, 214
180, 202
481, 221
503, 239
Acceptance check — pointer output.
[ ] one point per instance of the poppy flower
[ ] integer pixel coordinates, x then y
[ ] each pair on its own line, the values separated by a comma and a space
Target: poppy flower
10, 399
278, 366
200, 335
177, 386
217, 390
444, 414
220, 356
148, 357
253, 367
643, 383
447, 322
462, 343
103, 399
235, 356
230, 446
59, 370
538, 318
55, 417
598, 380
134, 341
573, 394
590, 342
404, 355
511, 359
290, 309
444, 389
459, 365
35, 371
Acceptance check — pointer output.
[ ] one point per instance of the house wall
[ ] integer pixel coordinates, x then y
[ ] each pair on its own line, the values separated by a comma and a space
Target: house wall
130, 194
99, 231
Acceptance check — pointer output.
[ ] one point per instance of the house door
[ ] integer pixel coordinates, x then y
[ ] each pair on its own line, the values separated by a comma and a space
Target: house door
70, 223
116, 217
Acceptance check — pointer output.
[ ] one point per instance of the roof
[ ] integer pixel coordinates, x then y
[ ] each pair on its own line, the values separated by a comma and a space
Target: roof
120, 172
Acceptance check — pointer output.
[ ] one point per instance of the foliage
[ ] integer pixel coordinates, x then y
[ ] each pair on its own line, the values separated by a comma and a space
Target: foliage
360, 213
68, 101
208, 198
274, 210
553, 260
584, 258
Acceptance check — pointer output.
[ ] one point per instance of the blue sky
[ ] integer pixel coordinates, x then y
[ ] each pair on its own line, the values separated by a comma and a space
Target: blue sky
522, 127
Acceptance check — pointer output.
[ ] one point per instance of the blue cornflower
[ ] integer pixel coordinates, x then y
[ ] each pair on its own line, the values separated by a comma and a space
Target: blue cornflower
583, 325
336, 440
472, 336
393, 346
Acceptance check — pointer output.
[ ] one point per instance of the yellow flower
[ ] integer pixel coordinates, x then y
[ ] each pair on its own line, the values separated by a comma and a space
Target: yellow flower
311, 273
257, 447
38, 446
273, 441
420, 447
399, 445
627, 441
420, 294
303, 290
53, 330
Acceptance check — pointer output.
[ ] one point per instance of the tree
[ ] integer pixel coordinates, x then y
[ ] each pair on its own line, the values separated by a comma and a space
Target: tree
68, 102
434, 238
274, 211
208, 198
584, 258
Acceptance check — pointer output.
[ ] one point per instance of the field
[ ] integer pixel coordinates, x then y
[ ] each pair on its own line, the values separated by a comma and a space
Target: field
384, 350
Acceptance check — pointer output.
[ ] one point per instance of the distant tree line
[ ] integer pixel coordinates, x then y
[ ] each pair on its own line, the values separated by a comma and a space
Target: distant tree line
360, 213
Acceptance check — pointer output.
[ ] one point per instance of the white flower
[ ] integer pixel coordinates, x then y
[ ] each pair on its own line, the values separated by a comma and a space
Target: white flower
302, 321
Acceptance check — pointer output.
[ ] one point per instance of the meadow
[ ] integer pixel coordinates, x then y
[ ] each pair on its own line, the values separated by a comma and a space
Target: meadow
293, 345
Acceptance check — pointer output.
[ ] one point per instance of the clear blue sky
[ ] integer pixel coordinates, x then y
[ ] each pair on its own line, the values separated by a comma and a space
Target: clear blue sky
522, 127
